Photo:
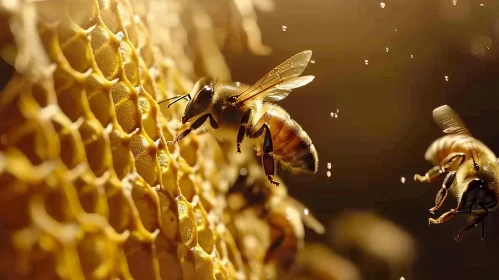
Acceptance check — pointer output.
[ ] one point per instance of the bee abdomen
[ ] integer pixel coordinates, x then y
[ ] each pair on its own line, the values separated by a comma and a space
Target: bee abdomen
293, 146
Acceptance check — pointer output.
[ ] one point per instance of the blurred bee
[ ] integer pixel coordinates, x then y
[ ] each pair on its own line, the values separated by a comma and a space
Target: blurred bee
285, 216
236, 110
470, 168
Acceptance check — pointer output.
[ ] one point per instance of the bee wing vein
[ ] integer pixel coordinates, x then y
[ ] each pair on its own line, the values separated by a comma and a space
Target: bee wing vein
277, 83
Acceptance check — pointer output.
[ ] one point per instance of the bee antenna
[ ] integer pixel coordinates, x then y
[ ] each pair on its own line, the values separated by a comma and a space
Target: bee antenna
178, 98
475, 165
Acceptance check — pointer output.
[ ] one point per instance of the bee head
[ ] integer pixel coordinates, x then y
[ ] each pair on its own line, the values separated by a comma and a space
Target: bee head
199, 99
202, 95
480, 191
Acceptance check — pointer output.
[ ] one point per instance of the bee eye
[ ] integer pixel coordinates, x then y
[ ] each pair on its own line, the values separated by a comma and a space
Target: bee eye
207, 89
232, 99
478, 183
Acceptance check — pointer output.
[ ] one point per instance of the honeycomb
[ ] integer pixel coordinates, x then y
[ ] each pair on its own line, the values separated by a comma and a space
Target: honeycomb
89, 188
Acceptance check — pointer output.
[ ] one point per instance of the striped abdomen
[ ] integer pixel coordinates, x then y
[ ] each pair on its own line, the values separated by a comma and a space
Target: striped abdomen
457, 143
291, 143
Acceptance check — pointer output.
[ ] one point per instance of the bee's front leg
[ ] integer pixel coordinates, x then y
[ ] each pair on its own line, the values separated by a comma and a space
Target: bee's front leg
442, 193
432, 174
242, 129
196, 124
438, 171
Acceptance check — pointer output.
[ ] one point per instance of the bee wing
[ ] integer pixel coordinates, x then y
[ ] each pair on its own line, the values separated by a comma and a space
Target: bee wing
449, 121
279, 82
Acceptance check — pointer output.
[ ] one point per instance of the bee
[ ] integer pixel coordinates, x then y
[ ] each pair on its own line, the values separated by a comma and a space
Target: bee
470, 169
236, 110
286, 217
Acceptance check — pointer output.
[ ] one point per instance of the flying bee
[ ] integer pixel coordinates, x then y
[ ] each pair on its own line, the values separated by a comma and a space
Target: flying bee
236, 110
470, 167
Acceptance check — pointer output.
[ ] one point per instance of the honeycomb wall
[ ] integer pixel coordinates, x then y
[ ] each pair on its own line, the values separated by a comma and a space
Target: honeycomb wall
88, 187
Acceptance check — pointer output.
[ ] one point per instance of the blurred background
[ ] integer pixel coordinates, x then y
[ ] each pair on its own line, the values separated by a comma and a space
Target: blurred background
385, 66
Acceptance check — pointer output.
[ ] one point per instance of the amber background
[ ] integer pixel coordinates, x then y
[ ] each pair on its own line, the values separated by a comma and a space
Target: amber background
385, 124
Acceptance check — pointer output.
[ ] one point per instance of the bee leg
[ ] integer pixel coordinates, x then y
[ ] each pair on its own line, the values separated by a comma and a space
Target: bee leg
242, 129
444, 218
437, 171
442, 193
451, 159
268, 157
450, 214
479, 219
268, 149
196, 124
432, 174
475, 223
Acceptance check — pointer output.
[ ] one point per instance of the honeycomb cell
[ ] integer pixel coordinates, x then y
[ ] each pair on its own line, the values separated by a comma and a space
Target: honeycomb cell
75, 45
148, 83
146, 167
146, 205
72, 150
168, 221
84, 13
12, 114
56, 204
105, 46
186, 258
150, 127
42, 96
206, 238
130, 63
34, 263
204, 264
95, 146
91, 193
187, 187
141, 259
30, 143
166, 253
169, 173
70, 95
188, 149
119, 209
128, 115
97, 255
109, 14
127, 20
120, 91
121, 154
14, 211
145, 47
101, 107
187, 223
144, 158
